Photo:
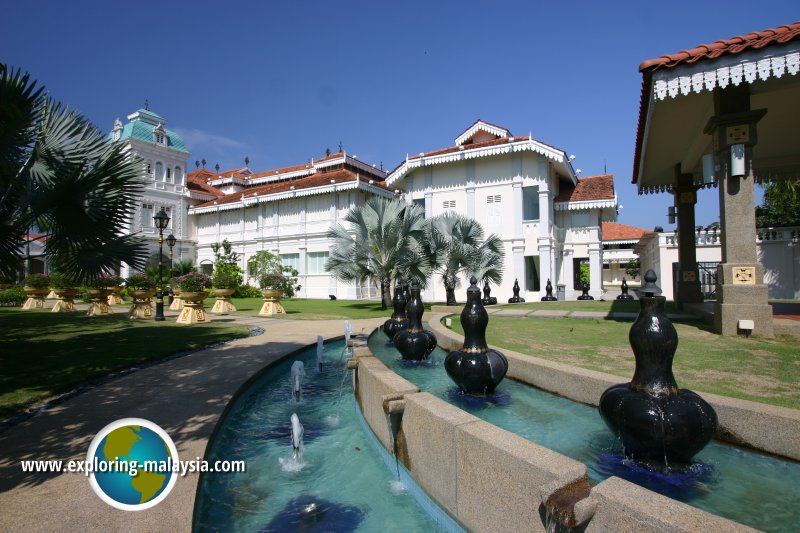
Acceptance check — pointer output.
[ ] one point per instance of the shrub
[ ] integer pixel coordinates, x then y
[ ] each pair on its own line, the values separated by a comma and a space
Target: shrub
60, 281
13, 296
104, 280
247, 291
141, 282
227, 277
277, 281
194, 282
37, 281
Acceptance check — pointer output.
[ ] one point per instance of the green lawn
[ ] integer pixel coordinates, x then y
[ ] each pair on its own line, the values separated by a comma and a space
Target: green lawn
629, 306
43, 353
761, 370
301, 309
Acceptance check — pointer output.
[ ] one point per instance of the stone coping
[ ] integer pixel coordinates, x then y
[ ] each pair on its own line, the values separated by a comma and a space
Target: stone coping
763, 427
489, 479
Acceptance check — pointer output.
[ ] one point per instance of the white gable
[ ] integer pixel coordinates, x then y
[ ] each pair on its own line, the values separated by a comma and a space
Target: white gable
482, 131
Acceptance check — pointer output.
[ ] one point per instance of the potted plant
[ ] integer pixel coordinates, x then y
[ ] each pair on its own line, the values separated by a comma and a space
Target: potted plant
176, 304
194, 287
65, 289
275, 279
36, 288
97, 290
225, 281
141, 287
113, 288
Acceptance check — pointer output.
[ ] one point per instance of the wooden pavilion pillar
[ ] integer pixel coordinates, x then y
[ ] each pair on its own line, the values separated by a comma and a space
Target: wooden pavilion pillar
688, 282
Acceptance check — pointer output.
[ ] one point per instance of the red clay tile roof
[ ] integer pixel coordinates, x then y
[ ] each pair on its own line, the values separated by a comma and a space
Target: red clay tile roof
620, 232
483, 144
734, 45
316, 180
589, 188
196, 181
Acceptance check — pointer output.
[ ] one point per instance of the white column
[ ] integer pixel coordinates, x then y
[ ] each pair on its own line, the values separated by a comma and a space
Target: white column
595, 270
517, 202
545, 266
519, 268
302, 277
545, 238
428, 205
471, 202
569, 273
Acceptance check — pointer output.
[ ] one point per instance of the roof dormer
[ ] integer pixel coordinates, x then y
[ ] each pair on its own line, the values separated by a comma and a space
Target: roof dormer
116, 132
160, 135
482, 131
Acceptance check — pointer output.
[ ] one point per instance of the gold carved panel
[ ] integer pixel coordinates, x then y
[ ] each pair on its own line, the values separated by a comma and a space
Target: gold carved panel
744, 276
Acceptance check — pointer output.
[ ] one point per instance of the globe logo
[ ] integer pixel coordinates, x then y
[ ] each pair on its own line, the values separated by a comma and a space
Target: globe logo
132, 464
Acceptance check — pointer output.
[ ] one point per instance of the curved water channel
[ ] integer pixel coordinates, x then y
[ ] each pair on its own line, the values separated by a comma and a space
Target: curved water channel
751, 488
339, 485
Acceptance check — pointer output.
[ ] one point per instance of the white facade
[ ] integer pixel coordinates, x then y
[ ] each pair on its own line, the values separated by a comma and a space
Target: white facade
165, 157
520, 190
778, 252
289, 213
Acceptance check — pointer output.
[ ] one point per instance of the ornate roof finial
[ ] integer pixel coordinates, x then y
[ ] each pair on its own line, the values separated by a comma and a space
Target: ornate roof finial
204, 162
327, 151
196, 163
146, 104
246, 161
217, 167
340, 146
381, 165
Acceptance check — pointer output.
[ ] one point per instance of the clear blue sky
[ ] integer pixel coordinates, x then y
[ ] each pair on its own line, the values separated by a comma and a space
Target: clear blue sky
281, 81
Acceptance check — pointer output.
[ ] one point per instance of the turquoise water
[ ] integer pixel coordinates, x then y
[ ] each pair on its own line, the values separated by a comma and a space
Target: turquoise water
754, 489
342, 485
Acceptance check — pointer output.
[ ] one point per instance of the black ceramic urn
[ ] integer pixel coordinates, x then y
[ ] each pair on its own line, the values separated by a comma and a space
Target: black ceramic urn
516, 298
398, 320
414, 343
475, 368
548, 297
657, 421
624, 295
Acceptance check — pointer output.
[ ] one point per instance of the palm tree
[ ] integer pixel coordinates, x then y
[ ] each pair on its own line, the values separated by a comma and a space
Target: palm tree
58, 173
454, 245
380, 242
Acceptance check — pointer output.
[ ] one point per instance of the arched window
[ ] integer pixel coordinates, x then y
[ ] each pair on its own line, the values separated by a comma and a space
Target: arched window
150, 169
178, 176
159, 171
169, 175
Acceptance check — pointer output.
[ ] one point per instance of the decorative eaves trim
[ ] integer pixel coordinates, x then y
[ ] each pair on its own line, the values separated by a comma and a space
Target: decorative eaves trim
520, 146
585, 204
747, 67
311, 191
481, 126
200, 196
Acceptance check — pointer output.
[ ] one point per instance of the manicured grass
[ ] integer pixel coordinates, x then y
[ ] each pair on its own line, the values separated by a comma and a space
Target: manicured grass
43, 353
626, 306
301, 309
761, 370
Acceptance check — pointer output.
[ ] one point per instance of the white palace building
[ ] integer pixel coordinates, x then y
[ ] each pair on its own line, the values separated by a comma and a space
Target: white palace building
521, 189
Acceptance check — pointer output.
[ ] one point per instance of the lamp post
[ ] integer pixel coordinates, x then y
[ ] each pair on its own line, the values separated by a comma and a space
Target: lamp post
161, 219
171, 240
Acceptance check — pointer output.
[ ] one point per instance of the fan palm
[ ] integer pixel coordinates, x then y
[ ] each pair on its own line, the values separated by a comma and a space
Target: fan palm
379, 243
58, 173
454, 245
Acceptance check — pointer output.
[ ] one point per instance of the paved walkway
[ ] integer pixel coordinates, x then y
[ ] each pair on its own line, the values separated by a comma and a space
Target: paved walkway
185, 396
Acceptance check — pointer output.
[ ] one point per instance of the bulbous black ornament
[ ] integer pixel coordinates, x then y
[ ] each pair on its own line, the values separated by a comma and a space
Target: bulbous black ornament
585, 295
516, 298
624, 295
657, 421
414, 343
475, 368
398, 321
549, 289
488, 299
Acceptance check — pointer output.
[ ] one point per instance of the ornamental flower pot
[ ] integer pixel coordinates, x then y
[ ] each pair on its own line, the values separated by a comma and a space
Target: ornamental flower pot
35, 299
414, 343
193, 310
99, 305
177, 301
66, 300
272, 306
398, 319
114, 295
141, 308
223, 304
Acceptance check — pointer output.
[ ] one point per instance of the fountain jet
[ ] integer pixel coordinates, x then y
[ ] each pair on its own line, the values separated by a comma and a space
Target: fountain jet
297, 437
298, 373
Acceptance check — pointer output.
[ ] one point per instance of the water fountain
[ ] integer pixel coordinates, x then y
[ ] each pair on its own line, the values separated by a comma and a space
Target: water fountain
624, 295
398, 320
516, 298
549, 289
298, 373
656, 421
415, 343
475, 368
297, 438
